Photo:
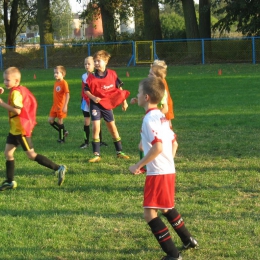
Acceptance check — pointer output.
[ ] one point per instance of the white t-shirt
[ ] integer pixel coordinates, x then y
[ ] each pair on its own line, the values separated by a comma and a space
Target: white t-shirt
155, 128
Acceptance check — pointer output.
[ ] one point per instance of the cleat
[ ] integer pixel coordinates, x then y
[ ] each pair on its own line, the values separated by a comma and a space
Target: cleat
66, 133
192, 243
171, 258
122, 155
96, 158
60, 141
61, 174
103, 144
83, 146
8, 185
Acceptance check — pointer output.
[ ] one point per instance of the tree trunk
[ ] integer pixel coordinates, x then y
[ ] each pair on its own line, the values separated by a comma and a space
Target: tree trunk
152, 25
44, 22
204, 19
11, 23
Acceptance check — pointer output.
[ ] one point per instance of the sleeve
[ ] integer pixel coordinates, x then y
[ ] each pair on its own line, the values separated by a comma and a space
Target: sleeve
66, 87
17, 99
86, 88
119, 83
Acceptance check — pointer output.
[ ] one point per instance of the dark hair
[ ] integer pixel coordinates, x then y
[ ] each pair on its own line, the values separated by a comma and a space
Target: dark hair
104, 55
154, 88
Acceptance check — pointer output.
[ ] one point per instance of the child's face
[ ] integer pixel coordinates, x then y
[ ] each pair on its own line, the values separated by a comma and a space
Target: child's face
100, 64
141, 98
89, 65
58, 74
11, 80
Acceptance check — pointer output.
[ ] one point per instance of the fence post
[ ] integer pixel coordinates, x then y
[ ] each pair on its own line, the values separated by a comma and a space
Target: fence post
45, 57
253, 50
202, 51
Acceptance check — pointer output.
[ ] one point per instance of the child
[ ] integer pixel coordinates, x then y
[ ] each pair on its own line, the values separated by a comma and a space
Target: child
61, 98
156, 141
22, 107
105, 92
89, 66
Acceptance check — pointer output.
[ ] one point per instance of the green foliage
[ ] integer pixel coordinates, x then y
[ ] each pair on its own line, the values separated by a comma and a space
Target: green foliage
97, 213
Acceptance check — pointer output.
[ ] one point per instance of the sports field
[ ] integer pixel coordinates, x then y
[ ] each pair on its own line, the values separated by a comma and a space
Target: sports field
97, 213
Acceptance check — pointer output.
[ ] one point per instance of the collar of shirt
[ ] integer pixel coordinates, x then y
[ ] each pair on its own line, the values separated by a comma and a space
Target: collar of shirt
98, 76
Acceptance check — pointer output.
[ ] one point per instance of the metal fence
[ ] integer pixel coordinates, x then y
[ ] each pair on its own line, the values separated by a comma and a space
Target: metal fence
183, 51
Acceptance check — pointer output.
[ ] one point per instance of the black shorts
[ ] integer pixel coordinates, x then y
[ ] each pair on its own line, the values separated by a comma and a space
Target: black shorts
16, 140
98, 112
85, 113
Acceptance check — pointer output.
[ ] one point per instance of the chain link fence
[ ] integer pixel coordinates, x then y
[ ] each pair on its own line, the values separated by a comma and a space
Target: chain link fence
174, 52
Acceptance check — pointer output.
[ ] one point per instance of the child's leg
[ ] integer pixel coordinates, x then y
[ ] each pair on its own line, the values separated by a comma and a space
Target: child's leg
10, 166
161, 232
53, 123
61, 130
95, 135
86, 129
176, 221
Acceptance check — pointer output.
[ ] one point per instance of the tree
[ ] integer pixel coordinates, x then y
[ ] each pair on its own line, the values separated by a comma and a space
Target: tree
204, 19
152, 25
45, 22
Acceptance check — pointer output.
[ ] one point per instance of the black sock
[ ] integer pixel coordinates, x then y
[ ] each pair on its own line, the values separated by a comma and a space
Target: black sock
42, 160
86, 133
9, 170
55, 125
61, 132
162, 234
96, 146
176, 221
118, 144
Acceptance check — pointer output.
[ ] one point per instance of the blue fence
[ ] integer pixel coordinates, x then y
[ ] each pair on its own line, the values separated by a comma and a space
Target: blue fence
181, 51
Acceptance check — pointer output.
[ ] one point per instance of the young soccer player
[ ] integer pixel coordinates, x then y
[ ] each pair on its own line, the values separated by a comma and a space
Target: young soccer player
104, 89
156, 141
89, 66
21, 108
59, 109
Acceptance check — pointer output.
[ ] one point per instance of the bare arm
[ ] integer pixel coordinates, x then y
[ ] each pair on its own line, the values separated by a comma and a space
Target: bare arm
10, 108
92, 97
65, 108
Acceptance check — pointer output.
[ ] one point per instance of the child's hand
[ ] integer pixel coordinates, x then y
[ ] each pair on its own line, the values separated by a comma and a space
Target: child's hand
124, 106
1, 90
133, 101
135, 170
96, 99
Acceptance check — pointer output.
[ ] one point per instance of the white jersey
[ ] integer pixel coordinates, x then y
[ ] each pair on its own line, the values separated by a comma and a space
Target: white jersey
84, 105
155, 128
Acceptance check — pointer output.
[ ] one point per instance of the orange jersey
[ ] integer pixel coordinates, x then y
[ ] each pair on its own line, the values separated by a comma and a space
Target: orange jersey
170, 114
61, 88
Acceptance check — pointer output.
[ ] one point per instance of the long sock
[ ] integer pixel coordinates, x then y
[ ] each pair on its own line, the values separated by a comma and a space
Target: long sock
118, 144
42, 160
162, 234
96, 146
61, 132
176, 221
55, 125
86, 133
9, 170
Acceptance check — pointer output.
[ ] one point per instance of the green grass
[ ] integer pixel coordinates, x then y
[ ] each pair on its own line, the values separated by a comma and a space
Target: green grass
97, 213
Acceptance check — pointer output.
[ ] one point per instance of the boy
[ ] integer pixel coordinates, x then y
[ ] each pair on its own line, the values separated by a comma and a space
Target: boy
104, 90
61, 98
21, 107
156, 141
89, 66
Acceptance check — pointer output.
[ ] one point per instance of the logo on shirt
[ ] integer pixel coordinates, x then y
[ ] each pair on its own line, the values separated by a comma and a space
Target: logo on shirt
58, 89
107, 87
163, 120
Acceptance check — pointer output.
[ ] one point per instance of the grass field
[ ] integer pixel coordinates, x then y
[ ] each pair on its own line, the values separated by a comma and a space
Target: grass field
97, 213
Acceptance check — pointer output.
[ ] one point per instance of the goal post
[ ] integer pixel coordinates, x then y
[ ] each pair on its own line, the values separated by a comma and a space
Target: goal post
144, 52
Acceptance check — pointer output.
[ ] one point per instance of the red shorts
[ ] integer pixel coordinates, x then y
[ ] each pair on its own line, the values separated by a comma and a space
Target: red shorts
57, 113
159, 191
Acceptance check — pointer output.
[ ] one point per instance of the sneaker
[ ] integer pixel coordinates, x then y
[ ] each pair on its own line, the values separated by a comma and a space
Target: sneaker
61, 174
193, 243
83, 146
171, 258
60, 141
8, 186
122, 155
96, 158
103, 144
66, 133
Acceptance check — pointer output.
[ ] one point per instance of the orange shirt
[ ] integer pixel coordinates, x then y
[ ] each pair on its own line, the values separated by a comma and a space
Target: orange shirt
170, 114
61, 88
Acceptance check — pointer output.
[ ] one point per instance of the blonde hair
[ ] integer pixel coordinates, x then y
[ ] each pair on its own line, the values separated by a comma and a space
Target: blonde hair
160, 63
159, 71
13, 71
103, 55
61, 69
89, 58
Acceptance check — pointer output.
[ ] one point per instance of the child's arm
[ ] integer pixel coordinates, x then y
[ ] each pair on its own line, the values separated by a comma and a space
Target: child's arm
10, 108
151, 155
65, 107
1, 90
95, 99
133, 100
124, 105
174, 148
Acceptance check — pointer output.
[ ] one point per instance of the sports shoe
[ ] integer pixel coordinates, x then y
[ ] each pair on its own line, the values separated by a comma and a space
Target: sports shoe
171, 258
96, 158
8, 186
60, 141
122, 155
103, 144
83, 146
66, 133
61, 174
193, 243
